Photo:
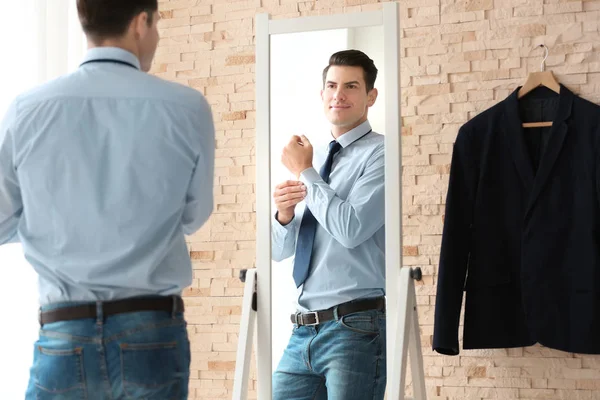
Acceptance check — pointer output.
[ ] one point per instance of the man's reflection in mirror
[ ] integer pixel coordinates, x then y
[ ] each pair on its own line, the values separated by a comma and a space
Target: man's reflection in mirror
337, 349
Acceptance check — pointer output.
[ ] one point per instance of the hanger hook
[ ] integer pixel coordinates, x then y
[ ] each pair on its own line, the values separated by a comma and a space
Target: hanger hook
543, 63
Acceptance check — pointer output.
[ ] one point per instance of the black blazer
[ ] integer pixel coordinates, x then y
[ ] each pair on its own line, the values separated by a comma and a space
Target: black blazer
522, 228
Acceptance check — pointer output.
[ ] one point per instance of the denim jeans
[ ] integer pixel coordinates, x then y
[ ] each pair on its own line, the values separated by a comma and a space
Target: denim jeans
139, 355
342, 359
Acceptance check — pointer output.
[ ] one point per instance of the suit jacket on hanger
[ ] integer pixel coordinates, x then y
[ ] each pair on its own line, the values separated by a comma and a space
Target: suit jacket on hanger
522, 228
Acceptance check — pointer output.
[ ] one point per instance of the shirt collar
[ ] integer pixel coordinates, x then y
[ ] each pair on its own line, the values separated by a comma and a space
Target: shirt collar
112, 53
354, 134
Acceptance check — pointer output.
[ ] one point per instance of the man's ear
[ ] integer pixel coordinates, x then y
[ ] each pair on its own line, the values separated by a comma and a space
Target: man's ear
372, 96
140, 24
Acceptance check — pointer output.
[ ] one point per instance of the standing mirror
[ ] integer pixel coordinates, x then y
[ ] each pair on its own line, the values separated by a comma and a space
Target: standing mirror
291, 55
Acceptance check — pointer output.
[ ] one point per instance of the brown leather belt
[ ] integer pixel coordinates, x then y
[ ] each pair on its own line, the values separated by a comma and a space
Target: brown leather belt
318, 317
172, 304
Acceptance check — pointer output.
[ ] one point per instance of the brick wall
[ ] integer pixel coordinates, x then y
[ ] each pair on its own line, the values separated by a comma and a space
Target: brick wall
459, 58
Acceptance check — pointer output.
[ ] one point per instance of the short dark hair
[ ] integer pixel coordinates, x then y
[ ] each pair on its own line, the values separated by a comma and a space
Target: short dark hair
354, 58
103, 19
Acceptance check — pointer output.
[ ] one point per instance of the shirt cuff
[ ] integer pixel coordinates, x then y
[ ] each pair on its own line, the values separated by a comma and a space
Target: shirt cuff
310, 176
281, 230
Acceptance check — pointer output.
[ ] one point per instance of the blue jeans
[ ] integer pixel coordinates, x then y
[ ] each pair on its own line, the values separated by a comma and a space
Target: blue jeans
342, 359
140, 355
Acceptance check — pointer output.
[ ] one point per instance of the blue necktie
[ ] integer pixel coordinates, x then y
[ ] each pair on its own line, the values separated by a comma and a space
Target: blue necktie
308, 226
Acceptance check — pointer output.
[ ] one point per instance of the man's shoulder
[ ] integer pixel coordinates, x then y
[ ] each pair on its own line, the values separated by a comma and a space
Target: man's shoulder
174, 90
174, 93
376, 137
143, 86
374, 140
41, 91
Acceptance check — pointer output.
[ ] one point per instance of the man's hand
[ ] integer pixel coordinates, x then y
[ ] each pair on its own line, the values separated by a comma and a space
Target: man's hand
297, 155
287, 195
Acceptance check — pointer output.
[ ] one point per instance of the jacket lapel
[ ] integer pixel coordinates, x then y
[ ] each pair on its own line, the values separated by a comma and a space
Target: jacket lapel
515, 136
558, 132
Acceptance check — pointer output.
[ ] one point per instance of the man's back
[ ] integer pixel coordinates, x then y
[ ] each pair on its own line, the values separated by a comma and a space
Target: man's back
114, 166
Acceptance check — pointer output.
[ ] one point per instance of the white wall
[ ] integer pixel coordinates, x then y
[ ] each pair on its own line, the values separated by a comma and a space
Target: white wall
370, 41
49, 42
18, 288
297, 62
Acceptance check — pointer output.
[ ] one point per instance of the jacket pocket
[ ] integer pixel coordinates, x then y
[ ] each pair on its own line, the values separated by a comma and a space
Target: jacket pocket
487, 270
59, 373
151, 371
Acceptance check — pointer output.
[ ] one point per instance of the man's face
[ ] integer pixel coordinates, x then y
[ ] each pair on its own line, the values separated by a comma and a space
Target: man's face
345, 97
148, 41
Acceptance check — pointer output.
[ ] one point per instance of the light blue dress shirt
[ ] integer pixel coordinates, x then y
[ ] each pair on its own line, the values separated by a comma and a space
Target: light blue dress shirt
102, 173
348, 258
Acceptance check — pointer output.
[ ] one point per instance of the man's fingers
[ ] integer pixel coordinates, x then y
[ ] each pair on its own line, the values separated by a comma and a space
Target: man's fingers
288, 196
288, 204
304, 140
289, 189
292, 189
289, 183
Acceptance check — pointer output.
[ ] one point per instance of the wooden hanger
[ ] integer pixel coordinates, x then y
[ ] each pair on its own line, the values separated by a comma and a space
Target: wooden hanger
535, 80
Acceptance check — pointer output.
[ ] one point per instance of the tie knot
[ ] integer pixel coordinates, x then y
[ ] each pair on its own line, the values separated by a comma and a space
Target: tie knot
334, 147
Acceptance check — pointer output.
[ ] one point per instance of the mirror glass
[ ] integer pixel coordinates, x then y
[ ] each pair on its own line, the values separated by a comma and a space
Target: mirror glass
297, 108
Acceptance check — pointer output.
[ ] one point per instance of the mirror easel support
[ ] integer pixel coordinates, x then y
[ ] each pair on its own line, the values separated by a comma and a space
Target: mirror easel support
408, 339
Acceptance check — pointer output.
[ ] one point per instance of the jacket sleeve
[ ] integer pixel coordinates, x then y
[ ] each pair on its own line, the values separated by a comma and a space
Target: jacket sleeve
456, 240
598, 165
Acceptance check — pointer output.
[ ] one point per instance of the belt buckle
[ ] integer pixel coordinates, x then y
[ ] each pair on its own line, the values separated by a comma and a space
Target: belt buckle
296, 318
316, 314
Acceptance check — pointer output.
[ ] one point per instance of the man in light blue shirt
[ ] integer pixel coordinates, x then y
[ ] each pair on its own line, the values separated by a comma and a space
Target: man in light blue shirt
337, 349
102, 174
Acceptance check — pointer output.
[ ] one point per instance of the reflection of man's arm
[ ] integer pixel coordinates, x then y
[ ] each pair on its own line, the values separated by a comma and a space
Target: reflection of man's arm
11, 205
283, 239
354, 220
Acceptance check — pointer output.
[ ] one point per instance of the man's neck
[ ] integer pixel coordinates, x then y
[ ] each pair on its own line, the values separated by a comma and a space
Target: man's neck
338, 131
118, 43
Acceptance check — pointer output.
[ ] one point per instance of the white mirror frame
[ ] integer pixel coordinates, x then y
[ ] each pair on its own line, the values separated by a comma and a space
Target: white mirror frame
388, 17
